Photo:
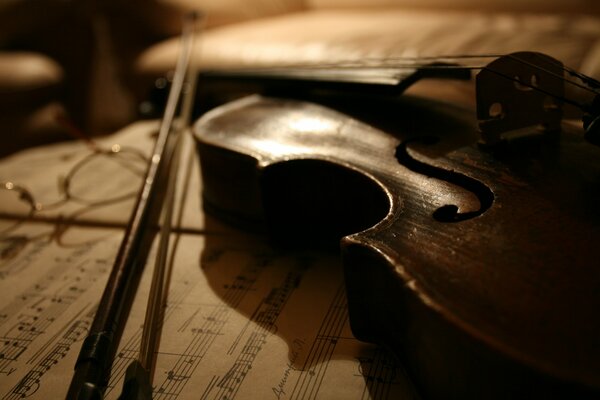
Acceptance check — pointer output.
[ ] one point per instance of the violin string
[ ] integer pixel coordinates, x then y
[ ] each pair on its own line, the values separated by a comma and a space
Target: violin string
559, 76
475, 67
378, 61
584, 78
393, 62
590, 81
562, 98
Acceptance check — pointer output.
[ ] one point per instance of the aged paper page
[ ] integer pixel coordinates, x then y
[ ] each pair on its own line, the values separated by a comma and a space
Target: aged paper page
101, 189
243, 320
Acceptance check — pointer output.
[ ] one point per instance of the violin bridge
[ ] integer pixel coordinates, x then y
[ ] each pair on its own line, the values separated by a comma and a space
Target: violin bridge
519, 94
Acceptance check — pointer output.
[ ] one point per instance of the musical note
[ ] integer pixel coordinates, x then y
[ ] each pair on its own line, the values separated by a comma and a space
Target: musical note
203, 336
45, 316
50, 356
40, 309
232, 324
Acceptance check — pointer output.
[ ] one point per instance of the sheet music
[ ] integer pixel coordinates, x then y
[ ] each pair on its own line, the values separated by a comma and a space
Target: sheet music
243, 321
41, 170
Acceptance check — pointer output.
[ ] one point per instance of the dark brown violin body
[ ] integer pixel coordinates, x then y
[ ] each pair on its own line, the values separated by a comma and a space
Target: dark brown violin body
480, 268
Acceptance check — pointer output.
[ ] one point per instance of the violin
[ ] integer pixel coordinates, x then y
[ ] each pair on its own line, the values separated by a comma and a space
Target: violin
469, 241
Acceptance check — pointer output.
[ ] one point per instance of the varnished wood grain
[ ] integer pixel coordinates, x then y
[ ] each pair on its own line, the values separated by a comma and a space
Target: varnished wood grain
502, 304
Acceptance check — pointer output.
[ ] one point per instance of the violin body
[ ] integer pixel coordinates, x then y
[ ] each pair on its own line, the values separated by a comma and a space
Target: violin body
478, 267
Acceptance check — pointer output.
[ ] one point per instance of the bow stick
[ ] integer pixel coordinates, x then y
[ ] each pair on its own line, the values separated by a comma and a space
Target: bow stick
92, 368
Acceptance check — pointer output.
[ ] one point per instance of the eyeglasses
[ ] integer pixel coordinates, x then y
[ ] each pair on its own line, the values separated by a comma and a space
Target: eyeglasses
102, 177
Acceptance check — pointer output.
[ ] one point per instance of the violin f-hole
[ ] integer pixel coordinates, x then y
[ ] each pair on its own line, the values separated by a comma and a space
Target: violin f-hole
448, 212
